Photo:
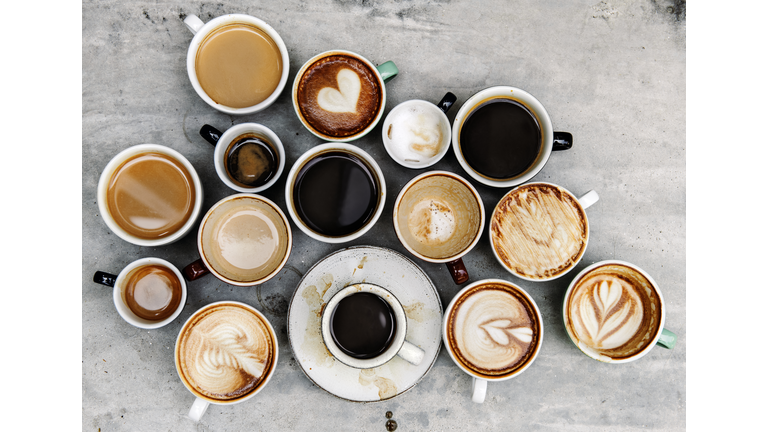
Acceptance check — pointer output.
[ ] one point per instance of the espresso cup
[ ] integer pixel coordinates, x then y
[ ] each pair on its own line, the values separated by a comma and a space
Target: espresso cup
148, 293
540, 231
236, 63
339, 95
364, 326
225, 354
244, 240
439, 217
248, 157
149, 195
335, 192
503, 136
613, 311
492, 329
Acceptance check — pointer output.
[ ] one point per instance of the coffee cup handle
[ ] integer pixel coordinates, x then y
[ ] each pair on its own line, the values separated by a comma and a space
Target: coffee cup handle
411, 353
198, 409
446, 102
479, 387
104, 278
193, 23
667, 339
562, 141
195, 271
387, 70
458, 271
210, 134
588, 199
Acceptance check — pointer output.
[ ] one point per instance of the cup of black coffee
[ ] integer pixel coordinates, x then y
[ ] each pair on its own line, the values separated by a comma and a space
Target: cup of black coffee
503, 136
364, 326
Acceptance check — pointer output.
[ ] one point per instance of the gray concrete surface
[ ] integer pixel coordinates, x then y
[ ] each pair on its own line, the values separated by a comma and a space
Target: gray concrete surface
610, 72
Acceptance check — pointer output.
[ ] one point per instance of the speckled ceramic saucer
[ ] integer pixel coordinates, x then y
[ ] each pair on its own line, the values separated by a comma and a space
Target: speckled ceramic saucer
390, 270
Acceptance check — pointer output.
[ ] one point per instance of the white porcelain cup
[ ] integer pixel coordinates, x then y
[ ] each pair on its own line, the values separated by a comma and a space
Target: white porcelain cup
398, 345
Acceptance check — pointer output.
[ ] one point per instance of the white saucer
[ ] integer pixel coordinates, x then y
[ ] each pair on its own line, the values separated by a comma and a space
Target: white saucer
390, 270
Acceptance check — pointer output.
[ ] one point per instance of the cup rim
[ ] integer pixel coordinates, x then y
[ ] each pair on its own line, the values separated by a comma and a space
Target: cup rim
269, 373
300, 74
127, 314
226, 139
325, 148
532, 104
434, 159
395, 211
271, 274
447, 315
559, 275
595, 355
220, 21
115, 163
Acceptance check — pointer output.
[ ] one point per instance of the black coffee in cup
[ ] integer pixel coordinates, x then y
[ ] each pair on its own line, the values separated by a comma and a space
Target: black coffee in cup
251, 161
363, 325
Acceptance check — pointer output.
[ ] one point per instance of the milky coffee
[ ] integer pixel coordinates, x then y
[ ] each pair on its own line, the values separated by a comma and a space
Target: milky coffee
339, 95
152, 292
539, 231
614, 310
224, 352
493, 330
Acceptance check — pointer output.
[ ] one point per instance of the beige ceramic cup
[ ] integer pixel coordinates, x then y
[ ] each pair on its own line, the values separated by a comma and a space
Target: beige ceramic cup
439, 217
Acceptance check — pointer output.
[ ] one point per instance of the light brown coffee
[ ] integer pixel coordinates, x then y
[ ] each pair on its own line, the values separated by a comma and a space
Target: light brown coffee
539, 231
613, 310
339, 95
225, 352
238, 65
493, 330
151, 195
152, 292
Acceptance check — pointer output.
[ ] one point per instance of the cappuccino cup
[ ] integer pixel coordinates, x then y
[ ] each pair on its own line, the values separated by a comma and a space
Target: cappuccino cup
613, 311
503, 136
225, 354
364, 326
339, 96
236, 63
244, 240
149, 195
148, 293
540, 231
439, 217
492, 329
248, 157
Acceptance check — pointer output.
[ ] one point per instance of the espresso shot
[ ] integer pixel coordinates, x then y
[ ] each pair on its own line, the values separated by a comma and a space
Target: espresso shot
251, 161
363, 325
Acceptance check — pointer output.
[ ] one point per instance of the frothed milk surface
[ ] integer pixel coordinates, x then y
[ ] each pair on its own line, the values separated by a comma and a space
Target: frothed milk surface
415, 133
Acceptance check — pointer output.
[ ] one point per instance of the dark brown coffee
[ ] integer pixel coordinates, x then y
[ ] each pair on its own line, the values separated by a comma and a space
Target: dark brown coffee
152, 292
251, 161
500, 139
363, 325
335, 193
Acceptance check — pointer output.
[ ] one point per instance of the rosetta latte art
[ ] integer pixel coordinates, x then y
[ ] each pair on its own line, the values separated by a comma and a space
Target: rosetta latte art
606, 314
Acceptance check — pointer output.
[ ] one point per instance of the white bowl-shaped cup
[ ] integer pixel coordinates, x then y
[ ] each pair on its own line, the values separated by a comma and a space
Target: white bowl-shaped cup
223, 141
203, 30
550, 140
119, 284
324, 150
151, 204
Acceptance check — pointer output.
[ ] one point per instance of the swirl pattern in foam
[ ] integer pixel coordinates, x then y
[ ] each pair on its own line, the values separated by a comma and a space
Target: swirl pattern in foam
225, 352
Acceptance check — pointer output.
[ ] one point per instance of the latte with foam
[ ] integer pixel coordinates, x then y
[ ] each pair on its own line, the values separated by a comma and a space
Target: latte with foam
614, 311
539, 231
225, 352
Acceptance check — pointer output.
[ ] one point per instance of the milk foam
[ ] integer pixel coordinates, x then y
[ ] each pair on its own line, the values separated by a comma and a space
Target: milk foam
432, 221
343, 100
415, 133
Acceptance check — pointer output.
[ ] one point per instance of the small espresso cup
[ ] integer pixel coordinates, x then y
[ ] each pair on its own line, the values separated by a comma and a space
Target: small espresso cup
249, 157
510, 151
148, 293
149, 195
439, 217
492, 329
236, 63
417, 133
340, 96
613, 311
244, 240
335, 192
225, 354
540, 231
364, 326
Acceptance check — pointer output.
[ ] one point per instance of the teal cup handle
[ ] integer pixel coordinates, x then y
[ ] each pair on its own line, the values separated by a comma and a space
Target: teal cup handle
667, 339
387, 70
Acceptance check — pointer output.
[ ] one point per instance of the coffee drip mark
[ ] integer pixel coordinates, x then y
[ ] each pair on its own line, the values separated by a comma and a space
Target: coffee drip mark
501, 330
343, 100
609, 315
313, 338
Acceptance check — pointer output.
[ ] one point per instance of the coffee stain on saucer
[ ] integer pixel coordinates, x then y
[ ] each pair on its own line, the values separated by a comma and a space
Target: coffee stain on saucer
418, 312
327, 281
386, 386
361, 265
313, 338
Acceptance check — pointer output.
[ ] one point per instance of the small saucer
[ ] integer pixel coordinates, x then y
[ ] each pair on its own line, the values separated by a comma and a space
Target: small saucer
387, 269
